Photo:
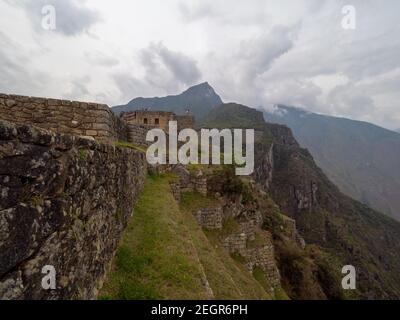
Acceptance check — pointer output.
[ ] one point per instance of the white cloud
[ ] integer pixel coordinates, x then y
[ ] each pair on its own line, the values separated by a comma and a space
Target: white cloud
156, 70
258, 52
72, 16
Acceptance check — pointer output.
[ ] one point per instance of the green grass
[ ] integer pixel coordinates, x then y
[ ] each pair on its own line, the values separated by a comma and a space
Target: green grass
230, 226
164, 254
156, 258
277, 292
260, 239
193, 201
228, 278
259, 275
83, 154
124, 144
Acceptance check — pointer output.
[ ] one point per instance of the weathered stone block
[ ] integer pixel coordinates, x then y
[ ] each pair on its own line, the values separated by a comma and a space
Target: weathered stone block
101, 126
92, 133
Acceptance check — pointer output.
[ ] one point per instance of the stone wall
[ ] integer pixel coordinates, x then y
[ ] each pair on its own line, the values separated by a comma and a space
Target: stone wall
235, 243
209, 218
64, 116
158, 119
264, 258
185, 121
65, 201
248, 228
199, 184
119, 130
176, 190
248, 240
188, 182
153, 119
137, 134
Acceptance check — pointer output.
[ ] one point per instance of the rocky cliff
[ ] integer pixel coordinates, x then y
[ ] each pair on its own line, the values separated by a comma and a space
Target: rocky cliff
354, 233
350, 154
64, 203
348, 231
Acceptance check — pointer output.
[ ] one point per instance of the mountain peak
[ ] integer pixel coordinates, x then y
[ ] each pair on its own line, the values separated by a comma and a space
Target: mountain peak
199, 99
202, 88
203, 85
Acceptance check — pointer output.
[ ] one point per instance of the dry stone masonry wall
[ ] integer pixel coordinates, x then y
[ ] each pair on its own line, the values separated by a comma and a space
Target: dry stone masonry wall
64, 116
188, 182
235, 243
249, 222
176, 190
137, 134
209, 218
264, 258
64, 202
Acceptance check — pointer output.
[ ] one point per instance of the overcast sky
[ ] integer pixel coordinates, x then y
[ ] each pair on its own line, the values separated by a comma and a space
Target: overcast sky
255, 52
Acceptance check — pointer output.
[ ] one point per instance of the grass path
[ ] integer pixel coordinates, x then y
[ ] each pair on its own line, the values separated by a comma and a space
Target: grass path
156, 258
164, 254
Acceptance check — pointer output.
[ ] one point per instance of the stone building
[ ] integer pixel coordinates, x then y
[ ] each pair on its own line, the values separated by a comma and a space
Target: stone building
158, 119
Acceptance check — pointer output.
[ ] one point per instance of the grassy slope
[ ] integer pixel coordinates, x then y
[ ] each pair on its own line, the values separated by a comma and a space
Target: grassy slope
227, 278
164, 254
156, 258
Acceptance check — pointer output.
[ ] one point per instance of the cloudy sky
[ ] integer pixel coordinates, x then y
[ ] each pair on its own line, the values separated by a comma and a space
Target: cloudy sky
256, 52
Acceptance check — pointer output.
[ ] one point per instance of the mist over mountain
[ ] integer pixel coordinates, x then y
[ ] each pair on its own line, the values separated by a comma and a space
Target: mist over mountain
362, 159
199, 100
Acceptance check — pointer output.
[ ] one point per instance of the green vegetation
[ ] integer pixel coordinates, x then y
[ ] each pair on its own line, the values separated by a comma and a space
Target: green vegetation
260, 239
28, 197
229, 226
259, 275
343, 228
205, 168
165, 254
156, 258
337, 229
82, 154
230, 183
345, 160
227, 278
124, 144
193, 201
221, 267
232, 115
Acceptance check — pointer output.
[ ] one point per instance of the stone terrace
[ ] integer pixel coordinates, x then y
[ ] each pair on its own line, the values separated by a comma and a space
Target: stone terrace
64, 116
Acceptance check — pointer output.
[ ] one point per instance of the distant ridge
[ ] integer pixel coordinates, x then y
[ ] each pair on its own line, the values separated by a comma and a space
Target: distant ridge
362, 159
